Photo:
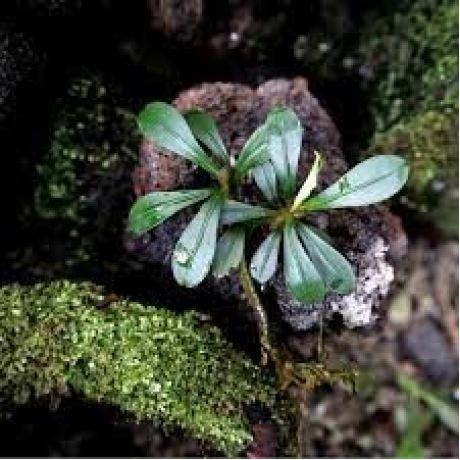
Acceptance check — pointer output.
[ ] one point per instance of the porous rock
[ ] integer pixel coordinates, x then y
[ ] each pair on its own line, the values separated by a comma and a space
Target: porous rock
364, 236
177, 19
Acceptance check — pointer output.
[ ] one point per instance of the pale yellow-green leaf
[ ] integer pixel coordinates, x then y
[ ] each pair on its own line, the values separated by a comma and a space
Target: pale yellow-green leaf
310, 182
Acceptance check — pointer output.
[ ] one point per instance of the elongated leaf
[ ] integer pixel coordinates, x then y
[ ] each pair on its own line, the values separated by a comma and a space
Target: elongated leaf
254, 153
333, 267
235, 211
264, 262
284, 144
416, 420
371, 181
166, 127
310, 182
229, 252
204, 128
447, 414
265, 178
195, 249
151, 210
302, 279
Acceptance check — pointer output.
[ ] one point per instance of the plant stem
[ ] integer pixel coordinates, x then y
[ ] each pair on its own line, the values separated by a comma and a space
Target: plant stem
285, 369
303, 438
254, 300
321, 336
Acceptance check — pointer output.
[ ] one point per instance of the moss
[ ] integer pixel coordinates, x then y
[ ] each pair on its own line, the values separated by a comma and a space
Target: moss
148, 361
412, 59
431, 141
83, 185
92, 137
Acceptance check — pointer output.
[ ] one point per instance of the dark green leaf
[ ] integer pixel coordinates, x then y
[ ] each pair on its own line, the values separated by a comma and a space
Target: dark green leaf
229, 252
302, 279
235, 211
371, 181
151, 210
265, 178
204, 128
165, 126
253, 153
333, 267
265, 260
284, 145
195, 249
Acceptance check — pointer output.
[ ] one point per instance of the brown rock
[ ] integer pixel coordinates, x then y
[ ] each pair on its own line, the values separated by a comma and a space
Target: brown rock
177, 19
364, 235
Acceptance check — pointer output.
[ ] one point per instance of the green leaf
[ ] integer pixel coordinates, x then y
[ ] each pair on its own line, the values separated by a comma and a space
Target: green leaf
254, 153
302, 279
284, 145
235, 211
229, 252
264, 262
446, 413
333, 267
151, 210
204, 128
265, 178
195, 249
414, 420
166, 127
371, 181
310, 183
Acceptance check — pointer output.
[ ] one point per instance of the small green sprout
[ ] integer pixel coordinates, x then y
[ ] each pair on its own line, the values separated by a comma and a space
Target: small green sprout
312, 267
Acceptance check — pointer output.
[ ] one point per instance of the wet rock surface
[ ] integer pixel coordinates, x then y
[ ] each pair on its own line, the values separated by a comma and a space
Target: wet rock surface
364, 235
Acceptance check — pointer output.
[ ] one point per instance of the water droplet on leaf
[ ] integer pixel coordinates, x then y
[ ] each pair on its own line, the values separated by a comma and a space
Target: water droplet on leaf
181, 256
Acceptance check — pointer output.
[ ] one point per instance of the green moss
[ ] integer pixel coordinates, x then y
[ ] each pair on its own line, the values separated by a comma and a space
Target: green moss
148, 361
83, 183
412, 56
93, 137
431, 142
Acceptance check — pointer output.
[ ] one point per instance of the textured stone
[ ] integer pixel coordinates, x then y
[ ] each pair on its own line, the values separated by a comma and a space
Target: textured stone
425, 343
176, 19
364, 236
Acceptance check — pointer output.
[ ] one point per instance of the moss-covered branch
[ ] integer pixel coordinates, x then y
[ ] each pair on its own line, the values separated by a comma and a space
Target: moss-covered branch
150, 362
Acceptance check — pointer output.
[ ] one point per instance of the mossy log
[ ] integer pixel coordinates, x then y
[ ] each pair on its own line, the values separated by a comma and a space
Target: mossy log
147, 361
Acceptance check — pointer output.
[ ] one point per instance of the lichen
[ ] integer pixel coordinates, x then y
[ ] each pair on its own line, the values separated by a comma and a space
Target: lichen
411, 61
147, 361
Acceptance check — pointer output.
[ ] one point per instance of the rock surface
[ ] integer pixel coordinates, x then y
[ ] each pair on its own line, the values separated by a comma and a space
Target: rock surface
428, 346
364, 235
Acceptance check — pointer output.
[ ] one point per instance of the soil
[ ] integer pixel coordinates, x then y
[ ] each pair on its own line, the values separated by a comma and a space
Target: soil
145, 56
